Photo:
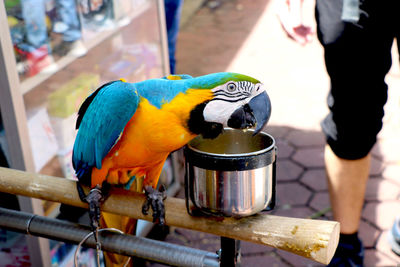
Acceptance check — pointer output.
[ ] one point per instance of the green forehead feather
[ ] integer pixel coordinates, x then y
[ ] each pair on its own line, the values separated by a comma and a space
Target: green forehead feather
213, 80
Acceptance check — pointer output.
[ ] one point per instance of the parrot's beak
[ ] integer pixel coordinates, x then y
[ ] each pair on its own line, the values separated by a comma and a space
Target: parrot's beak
254, 114
260, 105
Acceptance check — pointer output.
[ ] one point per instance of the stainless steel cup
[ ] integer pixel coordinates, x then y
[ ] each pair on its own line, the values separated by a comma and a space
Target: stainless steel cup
231, 175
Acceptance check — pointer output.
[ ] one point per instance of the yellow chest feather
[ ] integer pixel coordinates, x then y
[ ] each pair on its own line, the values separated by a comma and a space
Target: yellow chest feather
164, 129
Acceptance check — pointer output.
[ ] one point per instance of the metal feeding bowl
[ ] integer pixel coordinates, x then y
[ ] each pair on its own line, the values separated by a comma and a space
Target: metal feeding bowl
231, 175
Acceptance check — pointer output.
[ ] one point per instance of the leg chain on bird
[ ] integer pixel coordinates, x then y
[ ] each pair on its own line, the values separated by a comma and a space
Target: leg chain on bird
98, 247
94, 198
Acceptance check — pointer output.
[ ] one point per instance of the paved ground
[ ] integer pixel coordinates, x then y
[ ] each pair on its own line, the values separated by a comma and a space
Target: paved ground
244, 36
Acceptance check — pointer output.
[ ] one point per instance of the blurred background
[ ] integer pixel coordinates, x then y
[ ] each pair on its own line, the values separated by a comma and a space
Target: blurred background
58, 54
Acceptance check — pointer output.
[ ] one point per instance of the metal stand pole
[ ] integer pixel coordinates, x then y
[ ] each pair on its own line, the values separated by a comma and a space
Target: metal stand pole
230, 252
157, 251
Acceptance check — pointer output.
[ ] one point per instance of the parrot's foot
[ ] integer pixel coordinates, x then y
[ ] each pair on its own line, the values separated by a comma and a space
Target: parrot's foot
155, 199
94, 199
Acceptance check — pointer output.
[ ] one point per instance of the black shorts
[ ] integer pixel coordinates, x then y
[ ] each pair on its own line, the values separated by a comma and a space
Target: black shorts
357, 58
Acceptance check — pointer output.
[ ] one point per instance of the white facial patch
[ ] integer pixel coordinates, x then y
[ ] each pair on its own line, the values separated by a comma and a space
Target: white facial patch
220, 111
228, 98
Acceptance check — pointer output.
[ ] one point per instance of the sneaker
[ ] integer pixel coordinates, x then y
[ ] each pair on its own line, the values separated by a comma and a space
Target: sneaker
59, 27
75, 49
39, 60
348, 255
394, 236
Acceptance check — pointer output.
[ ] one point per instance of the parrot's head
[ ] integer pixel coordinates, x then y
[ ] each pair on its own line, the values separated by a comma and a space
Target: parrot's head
238, 101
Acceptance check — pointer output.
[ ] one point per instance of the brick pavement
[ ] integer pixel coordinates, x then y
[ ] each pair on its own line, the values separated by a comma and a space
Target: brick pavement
244, 36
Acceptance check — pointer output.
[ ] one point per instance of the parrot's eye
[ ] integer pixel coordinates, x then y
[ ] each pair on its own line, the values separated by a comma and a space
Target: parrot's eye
231, 87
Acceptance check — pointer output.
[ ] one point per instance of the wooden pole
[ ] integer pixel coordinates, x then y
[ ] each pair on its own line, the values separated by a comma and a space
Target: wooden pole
313, 239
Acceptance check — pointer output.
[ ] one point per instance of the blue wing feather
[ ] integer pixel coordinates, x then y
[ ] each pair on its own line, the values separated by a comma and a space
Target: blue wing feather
160, 91
182, 76
101, 122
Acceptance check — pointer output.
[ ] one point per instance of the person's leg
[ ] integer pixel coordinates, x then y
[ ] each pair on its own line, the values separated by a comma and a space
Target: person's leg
357, 58
172, 16
66, 10
33, 13
34, 50
347, 180
72, 44
394, 232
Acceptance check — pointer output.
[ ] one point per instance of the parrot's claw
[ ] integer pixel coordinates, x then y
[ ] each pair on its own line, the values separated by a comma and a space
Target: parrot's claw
94, 199
155, 199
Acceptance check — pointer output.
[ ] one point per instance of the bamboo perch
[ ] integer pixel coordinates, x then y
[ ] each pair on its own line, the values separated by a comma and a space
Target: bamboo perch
313, 239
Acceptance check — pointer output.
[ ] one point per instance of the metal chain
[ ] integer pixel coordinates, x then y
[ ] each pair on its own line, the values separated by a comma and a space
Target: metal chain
98, 247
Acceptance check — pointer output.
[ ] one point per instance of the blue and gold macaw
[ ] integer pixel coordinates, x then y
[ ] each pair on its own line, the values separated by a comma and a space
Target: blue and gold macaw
127, 130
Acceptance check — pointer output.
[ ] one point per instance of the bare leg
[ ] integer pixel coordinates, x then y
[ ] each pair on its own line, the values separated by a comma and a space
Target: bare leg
347, 180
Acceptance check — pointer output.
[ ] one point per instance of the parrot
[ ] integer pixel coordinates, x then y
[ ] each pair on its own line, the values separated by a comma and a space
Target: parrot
125, 132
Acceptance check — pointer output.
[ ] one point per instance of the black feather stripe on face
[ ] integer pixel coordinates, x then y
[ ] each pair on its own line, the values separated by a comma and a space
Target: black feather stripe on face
198, 125
229, 100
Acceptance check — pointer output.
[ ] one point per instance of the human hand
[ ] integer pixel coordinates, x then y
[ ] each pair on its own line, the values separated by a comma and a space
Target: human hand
290, 16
